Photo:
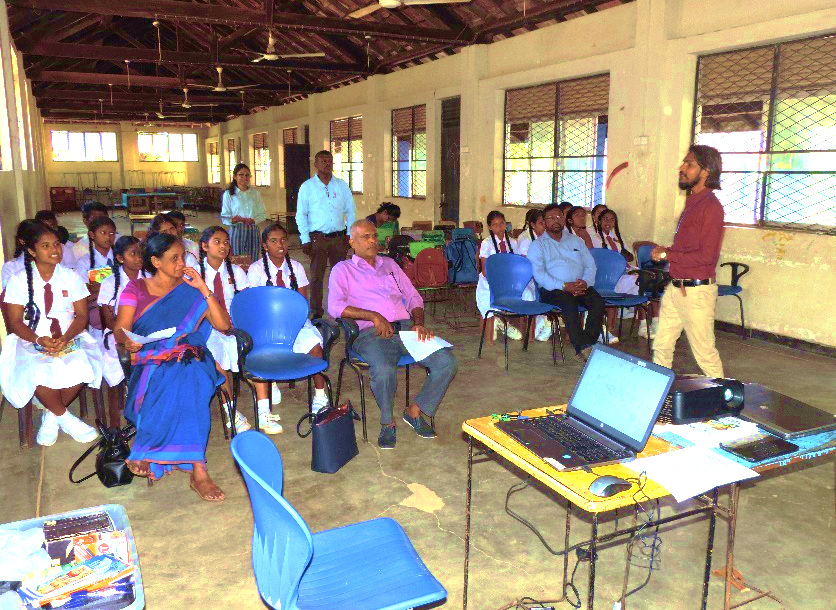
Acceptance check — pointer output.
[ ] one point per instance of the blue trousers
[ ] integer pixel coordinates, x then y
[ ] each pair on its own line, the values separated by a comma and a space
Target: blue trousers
382, 357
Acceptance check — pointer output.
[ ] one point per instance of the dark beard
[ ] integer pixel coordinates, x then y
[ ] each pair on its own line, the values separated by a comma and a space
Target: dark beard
687, 186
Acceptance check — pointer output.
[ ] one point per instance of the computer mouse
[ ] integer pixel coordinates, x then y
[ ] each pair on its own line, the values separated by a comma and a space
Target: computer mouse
604, 487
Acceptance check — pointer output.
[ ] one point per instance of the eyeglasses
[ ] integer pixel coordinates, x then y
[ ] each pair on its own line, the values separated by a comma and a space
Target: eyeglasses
552, 217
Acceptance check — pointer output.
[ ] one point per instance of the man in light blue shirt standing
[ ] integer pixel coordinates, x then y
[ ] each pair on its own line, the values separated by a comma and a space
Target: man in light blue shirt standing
324, 212
565, 271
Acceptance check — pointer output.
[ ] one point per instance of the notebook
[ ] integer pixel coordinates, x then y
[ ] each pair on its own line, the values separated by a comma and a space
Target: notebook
608, 418
782, 415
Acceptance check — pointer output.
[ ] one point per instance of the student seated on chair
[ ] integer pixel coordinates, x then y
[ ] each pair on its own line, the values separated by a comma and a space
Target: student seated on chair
225, 280
179, 220
163, 223
533, 228
497, 241
89, 212
48, 353
375, 291
277, 269
172, 380
565, 271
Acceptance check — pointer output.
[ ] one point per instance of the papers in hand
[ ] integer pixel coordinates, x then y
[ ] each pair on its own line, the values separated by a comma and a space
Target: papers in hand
689, 472
421, 349
155, 336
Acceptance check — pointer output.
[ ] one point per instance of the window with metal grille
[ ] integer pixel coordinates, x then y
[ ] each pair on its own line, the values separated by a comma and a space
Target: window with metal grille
213, 162
261, 160
771, 112
347, 149
290, 135
231, 157
409, 152
167, 146
84, 146
556, 142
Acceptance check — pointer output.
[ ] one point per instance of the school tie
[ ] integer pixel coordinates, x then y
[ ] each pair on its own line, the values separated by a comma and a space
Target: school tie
279, 280
503, 247
54, 326
611, 242
218, 289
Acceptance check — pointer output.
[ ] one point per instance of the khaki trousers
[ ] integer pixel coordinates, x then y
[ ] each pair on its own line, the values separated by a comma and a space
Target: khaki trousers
692, 311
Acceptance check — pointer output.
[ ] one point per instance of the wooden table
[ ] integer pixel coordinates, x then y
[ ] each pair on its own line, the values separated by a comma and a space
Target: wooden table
574, 487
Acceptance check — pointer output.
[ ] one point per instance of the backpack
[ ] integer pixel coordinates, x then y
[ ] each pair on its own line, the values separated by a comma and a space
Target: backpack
461, 254
434, 236
430, 268
415, 247
399, 248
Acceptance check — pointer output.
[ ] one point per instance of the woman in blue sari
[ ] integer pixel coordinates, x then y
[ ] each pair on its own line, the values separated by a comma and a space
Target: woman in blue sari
172, 380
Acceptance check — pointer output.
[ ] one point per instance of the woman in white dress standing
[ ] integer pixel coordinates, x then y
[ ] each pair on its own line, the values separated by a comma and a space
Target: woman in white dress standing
49, 354
242, 210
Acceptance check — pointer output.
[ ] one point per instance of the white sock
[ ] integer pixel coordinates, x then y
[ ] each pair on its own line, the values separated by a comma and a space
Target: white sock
66, 418
319, 391
263, 407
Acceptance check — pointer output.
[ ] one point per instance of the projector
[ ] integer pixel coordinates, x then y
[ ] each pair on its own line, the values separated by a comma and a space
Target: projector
694, 398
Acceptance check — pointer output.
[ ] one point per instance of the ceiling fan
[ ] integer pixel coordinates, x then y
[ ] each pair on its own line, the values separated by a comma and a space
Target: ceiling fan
187, 104
220, 87
162, 115
271, 55
393, 4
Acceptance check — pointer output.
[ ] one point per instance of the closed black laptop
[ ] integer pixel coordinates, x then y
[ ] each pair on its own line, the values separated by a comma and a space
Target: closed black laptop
609, 417
782, 415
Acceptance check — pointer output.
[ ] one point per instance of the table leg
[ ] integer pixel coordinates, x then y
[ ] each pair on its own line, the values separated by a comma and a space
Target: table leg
467, 519
734, 498
712, 522
624, 585
590, 600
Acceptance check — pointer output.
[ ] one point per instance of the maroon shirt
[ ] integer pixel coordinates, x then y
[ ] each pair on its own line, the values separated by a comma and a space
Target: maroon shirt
699, 237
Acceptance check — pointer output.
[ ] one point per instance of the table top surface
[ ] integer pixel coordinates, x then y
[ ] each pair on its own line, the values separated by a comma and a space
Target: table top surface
145, 217
574, 484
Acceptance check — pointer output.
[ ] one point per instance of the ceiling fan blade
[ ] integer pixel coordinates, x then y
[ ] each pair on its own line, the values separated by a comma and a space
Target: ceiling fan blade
202, 105
301, 55
417, 2
366, 10
202, 86
257, 59
239, 87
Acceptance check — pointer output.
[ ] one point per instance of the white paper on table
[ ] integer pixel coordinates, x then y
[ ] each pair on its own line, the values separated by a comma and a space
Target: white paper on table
691, 471
155, 336
421, 349
713, 432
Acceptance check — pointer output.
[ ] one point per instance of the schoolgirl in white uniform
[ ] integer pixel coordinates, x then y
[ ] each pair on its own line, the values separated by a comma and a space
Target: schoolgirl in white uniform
225, 280
90, 211
161, 223
179, 221
497, 241
275, 268
101, 235
534, 227
127, 266
48, 353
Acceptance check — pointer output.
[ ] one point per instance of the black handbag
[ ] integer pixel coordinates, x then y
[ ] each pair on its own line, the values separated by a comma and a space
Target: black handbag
110, 460
334, 443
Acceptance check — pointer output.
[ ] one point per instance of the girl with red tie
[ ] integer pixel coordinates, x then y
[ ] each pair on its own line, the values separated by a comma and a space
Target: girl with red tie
277, 269
48, 353
497, 241
225, 280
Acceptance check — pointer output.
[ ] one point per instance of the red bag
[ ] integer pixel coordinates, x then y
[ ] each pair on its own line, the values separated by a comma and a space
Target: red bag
408, 266
430, 268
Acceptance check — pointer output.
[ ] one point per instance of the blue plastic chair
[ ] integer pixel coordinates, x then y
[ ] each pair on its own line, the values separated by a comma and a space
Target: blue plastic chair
358, 365
734, 290
370, 565
268, 319
508, 275
609, 267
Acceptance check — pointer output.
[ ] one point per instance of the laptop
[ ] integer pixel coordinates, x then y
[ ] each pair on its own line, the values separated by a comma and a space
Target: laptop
608, 418
782, 415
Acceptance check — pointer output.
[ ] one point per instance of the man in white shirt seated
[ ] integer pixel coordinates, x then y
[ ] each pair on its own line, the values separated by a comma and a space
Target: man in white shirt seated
565, 271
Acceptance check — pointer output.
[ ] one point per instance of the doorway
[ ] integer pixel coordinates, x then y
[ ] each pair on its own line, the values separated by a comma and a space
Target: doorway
450, 158
297, 169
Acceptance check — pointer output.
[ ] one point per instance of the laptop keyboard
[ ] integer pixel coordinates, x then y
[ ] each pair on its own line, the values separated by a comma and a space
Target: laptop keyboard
584, 446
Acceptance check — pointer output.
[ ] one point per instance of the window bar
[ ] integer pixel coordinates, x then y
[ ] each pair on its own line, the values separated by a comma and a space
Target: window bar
770, 127
556, 147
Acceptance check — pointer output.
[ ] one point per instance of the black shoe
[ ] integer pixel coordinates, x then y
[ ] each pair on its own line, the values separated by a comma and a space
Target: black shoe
419, 424
386, 440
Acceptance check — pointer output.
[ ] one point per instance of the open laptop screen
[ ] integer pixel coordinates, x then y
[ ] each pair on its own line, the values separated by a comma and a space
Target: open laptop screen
620, 395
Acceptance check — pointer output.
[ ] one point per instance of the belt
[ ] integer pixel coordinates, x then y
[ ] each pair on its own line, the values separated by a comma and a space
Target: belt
691, 283
333, 234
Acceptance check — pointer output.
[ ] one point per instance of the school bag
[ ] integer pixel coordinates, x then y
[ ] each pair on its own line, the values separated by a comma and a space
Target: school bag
466, 233
430, 268
399, 248
435, 236
415, 247
461, 255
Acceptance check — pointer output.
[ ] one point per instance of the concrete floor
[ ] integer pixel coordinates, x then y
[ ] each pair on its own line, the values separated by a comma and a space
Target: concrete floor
197, 554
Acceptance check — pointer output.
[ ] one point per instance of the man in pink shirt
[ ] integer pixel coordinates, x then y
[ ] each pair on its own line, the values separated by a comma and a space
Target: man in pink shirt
374, 291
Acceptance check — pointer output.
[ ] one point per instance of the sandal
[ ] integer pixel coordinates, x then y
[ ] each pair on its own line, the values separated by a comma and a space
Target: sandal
137, 469
205, 495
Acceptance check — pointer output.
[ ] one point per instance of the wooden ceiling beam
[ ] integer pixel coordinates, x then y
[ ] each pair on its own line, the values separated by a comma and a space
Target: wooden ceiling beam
550, 10
124, 96
238, 16
113, 53
136, 80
